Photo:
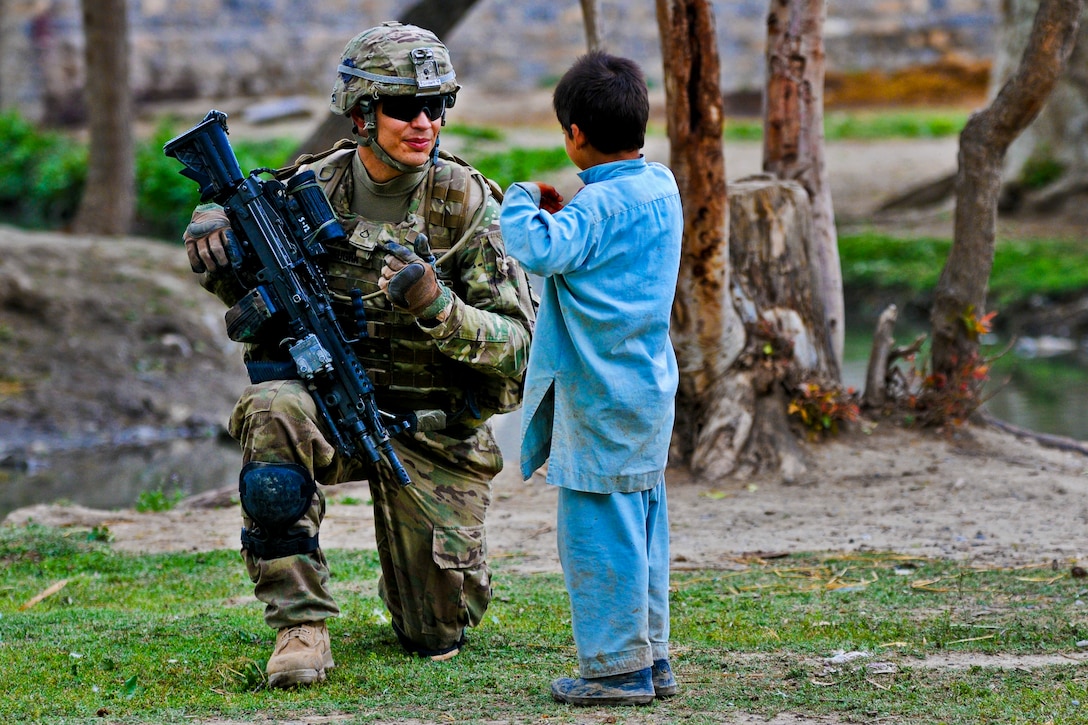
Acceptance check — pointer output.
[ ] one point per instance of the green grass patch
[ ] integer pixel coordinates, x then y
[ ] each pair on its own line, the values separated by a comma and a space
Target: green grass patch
474, 133
915, 123
177, 638
1021, 269
867, 125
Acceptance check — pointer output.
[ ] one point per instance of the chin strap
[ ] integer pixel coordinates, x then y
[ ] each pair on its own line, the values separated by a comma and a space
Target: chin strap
369, 137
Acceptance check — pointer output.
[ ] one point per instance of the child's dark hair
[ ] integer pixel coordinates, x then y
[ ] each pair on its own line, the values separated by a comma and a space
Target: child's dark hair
606, 96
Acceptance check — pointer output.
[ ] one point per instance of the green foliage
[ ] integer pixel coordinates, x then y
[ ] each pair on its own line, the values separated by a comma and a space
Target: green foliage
893, 124
158, 500
872, 260
741, 130
518, 164
165, 198
473, 133
1040, 171
178, 638
42, 174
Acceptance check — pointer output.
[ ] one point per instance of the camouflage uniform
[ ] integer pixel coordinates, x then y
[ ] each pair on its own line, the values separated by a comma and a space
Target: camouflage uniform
430, 535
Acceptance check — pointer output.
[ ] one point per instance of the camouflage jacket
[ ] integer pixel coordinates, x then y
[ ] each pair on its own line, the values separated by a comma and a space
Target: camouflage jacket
472, 361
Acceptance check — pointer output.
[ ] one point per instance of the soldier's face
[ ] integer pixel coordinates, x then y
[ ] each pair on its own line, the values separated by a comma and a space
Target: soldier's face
409, 142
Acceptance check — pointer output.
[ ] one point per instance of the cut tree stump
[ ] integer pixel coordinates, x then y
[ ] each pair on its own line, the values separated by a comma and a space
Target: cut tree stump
740, 425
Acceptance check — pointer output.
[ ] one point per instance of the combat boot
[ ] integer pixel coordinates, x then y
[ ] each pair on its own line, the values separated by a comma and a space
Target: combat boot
301, 656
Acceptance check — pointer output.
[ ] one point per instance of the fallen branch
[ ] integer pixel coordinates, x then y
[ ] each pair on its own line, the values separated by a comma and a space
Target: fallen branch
1061, 443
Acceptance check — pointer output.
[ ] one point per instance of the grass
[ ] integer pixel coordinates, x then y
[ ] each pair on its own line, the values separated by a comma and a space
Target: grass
868, 125
177, 638
1022, 268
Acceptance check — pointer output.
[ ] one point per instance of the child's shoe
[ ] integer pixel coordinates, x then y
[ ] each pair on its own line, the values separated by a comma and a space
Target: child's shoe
630, 688
665, 684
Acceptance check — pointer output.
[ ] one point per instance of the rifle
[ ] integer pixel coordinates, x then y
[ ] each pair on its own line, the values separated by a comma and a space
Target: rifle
278, 234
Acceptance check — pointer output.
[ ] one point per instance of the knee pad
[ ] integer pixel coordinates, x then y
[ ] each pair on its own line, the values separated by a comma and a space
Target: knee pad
275, 496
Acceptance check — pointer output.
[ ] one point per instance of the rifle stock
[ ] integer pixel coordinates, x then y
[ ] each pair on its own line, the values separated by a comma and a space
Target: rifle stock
278, 233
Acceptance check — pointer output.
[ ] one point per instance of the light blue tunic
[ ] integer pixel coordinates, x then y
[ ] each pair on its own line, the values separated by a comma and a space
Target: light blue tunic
602, 374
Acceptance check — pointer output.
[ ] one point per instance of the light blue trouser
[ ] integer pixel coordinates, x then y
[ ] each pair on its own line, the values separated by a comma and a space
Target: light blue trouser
614, 549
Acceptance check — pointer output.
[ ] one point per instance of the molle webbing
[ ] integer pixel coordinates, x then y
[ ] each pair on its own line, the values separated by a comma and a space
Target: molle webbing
448, 194
397, 354
407, 370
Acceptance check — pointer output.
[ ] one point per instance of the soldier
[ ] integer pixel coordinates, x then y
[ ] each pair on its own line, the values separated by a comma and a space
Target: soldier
449, 334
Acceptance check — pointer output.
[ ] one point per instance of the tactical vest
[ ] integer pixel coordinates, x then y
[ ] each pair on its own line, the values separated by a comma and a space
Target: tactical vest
407, 369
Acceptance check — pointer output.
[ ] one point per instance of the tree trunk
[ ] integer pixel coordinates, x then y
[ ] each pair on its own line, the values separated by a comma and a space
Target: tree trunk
706, 331
438, 16
793, 139
109, 197
745, 279
591, 20
960, 297
1054, 143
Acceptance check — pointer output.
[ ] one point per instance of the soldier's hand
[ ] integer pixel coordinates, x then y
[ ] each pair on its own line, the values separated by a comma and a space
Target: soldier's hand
206, 240
410, 283
551, 200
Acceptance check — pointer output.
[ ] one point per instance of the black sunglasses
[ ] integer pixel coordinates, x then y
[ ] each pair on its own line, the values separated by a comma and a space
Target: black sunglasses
408, 108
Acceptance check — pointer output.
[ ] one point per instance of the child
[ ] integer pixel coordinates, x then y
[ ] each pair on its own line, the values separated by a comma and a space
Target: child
602, 377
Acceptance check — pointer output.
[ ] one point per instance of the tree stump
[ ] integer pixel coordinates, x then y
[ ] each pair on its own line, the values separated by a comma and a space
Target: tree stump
742, 425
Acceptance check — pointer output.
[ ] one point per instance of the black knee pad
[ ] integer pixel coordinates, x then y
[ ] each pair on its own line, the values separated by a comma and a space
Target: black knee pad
275, 496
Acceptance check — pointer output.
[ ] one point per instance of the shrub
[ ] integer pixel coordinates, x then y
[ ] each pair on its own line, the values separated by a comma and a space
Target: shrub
938, 399
822, 408
43, 174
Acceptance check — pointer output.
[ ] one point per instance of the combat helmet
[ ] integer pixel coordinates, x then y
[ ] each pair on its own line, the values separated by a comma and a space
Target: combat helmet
391, 59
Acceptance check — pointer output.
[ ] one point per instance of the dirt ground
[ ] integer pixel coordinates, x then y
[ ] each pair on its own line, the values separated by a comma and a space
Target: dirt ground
982, 496
105, 339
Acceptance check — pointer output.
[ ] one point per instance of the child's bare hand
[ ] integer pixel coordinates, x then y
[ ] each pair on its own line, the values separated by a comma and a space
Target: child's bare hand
551, 200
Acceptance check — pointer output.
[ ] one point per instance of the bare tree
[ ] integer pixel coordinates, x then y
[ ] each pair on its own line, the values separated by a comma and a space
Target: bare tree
109, 197
960, 297
744, 316
706, 332
793, 138
591, 19
1051, 149
438, 16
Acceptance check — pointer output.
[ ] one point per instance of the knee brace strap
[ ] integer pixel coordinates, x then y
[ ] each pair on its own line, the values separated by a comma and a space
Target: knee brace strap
268, 547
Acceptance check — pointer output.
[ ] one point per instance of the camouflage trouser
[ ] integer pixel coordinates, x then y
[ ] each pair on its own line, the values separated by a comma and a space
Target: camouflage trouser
430, 535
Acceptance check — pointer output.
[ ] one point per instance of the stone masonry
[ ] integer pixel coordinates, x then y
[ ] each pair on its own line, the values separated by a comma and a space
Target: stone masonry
185, 49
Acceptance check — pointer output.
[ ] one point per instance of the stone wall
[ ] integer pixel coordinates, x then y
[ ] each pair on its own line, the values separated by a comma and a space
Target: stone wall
228, 48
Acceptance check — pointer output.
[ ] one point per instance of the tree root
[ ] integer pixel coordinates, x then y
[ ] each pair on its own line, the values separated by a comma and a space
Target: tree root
1061, 443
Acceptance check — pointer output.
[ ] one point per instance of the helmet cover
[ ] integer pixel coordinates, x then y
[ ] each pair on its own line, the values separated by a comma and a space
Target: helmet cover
392, 59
